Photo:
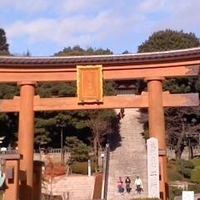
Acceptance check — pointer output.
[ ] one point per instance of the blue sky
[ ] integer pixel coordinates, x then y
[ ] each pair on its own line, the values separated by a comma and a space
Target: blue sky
45, 27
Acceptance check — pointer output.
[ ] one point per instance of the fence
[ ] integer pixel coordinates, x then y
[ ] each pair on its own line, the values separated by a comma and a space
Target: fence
185, 154
54, 154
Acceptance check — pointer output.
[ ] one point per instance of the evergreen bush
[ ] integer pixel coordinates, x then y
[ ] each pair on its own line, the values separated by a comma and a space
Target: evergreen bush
174, 176
195, 175
185, 164
173, 173
194, 187
81, 168
174, 191
185, 168
196, 162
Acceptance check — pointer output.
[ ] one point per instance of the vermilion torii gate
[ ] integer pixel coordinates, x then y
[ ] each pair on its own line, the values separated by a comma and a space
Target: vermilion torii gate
151, 67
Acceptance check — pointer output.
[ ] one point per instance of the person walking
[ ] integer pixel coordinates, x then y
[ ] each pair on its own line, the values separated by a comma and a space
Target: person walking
128, 183
138, 185
120, 186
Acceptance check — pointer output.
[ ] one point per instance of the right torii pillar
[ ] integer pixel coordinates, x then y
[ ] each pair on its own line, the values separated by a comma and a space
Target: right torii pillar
157, 128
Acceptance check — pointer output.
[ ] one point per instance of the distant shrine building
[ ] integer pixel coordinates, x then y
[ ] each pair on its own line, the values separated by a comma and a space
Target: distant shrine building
127, 87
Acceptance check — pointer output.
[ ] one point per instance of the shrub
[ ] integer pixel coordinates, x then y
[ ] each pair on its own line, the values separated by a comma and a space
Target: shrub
196, 162
81, 168
185, 164
186, 172
173, 174
195, 175
174, 191
78, 149
55, 197
185, 167
54, 169
194, 187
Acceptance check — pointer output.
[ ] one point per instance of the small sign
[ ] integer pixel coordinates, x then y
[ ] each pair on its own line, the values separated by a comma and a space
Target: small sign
89, 84
188, 195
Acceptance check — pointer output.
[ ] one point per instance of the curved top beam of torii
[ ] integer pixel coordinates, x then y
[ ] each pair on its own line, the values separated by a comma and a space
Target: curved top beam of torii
176, 63
114, 67
151, 66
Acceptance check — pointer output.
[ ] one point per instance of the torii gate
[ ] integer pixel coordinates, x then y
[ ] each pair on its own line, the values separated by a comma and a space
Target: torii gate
151, 67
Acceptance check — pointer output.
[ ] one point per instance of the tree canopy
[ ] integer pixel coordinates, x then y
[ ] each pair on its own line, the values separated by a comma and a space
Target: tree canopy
78, 51
4, 46
166, 40
47, 124
177, 130
75, 123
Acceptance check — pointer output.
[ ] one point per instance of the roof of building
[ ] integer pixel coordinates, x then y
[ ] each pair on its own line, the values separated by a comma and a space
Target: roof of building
154, 57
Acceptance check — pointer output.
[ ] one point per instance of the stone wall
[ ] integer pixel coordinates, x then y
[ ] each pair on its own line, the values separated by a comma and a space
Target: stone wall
185, 154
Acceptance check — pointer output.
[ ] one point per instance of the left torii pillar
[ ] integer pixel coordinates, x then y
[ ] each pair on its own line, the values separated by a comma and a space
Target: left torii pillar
26, 139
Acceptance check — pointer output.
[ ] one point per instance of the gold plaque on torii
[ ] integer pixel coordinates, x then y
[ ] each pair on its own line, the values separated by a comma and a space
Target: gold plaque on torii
89, 84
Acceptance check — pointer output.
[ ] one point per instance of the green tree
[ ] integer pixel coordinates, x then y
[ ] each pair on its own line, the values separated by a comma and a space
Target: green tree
78, 149
8, 121
47, 132
183, 129
4, 46
173, 40
185, 168
60, 89
195, 175
166, 40
78, 51
74, 122
100, 124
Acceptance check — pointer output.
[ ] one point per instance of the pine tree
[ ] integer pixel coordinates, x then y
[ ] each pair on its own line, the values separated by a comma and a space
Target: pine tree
4, 47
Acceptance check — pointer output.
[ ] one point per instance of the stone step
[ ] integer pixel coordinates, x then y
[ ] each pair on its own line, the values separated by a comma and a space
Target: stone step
129, 159
76, 187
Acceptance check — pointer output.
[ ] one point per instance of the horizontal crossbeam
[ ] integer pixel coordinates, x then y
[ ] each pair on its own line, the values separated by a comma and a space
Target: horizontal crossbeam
109, 73
109, 102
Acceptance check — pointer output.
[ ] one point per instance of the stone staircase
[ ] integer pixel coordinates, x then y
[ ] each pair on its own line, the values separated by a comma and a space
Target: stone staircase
72, 186
128, 158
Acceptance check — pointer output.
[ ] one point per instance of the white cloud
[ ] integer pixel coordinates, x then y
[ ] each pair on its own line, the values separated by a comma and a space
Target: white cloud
183, 15
105, 23
28, 6
117, 24
81, 6
151, 6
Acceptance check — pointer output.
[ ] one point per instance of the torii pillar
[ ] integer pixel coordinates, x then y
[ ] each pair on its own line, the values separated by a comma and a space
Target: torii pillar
157, 127
26, 139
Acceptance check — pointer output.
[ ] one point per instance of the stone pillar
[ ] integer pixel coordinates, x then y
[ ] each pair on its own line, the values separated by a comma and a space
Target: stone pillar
12, 176
37, 182
157, 128
26, 139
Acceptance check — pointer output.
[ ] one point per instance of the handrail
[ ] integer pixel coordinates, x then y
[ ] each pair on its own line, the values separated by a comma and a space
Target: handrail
105, 173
